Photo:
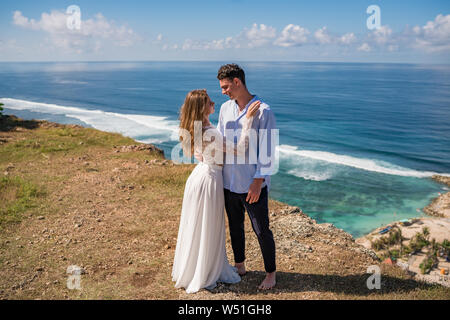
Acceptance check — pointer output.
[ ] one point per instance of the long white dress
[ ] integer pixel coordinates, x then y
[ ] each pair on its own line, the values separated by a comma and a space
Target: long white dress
200, 255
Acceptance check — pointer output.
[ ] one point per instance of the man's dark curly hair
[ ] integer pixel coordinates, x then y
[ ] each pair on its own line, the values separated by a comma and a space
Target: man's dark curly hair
231, 71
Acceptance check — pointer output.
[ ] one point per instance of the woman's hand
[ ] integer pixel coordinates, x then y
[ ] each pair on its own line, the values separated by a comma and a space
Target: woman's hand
254, 107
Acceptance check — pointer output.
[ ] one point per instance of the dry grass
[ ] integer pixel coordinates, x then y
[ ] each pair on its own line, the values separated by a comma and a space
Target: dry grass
69, 196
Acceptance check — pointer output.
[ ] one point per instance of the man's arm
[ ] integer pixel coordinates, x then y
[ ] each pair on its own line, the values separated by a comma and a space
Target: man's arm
267, 122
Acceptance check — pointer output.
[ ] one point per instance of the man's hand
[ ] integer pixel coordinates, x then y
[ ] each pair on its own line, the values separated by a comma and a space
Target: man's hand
254, 191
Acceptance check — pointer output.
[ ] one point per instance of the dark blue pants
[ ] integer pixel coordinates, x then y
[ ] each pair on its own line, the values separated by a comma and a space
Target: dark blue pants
258, 212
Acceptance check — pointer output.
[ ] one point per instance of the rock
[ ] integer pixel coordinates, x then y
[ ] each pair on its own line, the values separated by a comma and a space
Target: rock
441, 179
41, 218
439, 207
295, 210
143, 147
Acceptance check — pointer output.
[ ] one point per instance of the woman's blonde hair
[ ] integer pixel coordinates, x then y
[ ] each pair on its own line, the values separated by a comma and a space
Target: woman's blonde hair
192, 110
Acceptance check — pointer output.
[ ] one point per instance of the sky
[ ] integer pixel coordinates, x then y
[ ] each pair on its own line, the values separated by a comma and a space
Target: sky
244, 30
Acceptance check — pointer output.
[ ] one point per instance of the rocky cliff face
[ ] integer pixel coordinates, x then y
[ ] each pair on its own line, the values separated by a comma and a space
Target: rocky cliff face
440, 207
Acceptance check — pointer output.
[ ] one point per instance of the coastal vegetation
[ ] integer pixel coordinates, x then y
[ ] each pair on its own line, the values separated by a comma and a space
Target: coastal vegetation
392, 246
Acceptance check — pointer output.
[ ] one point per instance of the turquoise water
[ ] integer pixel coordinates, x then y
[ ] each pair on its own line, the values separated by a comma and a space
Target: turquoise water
358, 142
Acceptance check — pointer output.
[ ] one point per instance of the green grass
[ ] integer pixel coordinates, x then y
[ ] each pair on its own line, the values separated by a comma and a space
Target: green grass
428, 263
17, 196
55, 141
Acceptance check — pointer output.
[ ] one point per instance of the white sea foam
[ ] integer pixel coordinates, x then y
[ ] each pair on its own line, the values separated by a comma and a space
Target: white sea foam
298, 156
307, 164
155, 129
311, 175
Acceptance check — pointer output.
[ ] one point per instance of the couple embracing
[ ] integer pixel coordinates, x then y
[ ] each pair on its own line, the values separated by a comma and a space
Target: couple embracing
200, 256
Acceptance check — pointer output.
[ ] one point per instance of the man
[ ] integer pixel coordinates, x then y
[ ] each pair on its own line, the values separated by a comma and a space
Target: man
246, 185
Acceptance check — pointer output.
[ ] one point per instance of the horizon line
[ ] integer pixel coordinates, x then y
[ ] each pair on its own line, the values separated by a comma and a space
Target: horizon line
222, 61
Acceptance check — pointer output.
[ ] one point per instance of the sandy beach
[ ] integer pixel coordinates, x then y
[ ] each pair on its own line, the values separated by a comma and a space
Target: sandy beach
438, 224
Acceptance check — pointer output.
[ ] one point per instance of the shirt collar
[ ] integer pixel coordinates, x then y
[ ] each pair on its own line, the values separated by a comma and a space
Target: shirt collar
246, 107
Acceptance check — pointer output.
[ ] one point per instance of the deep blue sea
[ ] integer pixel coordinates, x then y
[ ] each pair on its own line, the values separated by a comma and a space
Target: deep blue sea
358, 142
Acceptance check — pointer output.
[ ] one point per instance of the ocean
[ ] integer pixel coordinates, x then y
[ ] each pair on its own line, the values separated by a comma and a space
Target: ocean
358, 142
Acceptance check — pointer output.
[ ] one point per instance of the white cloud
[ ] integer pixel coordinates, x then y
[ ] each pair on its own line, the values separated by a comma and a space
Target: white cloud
434, 36
382, 35
92, 35
260, 35
292, 35
347, 38
256, 36
364, 47
20, 20
190, 44
322, 36
221, 44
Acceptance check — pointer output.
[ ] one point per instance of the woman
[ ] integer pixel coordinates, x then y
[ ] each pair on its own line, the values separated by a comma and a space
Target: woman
200, 256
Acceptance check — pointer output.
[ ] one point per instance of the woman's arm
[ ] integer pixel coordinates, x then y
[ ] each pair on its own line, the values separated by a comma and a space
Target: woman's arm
243, 143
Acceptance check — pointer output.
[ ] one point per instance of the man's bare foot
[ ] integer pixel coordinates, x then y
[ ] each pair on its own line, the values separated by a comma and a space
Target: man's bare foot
269, 282
241, 268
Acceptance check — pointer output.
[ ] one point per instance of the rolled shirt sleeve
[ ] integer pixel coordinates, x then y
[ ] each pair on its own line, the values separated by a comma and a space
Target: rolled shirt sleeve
266, 125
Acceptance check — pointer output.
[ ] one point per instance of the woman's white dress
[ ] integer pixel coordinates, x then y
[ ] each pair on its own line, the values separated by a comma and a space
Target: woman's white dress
200, 255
